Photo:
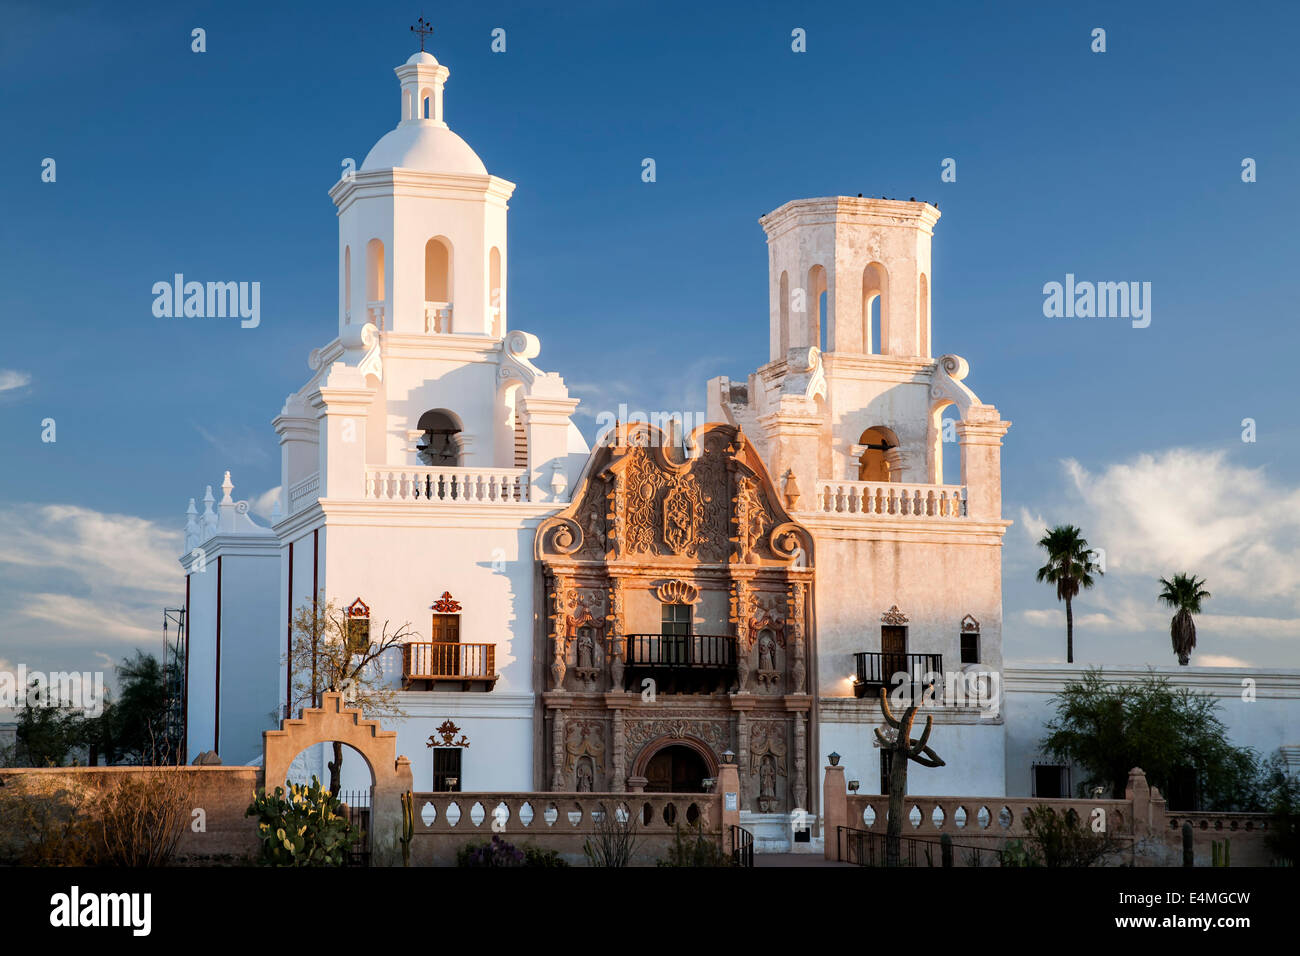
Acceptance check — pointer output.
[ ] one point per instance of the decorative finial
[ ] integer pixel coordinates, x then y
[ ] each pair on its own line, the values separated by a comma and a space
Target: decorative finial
425, 29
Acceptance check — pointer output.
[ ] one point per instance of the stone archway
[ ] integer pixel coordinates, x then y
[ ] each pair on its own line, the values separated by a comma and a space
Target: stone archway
689, 746
378, 748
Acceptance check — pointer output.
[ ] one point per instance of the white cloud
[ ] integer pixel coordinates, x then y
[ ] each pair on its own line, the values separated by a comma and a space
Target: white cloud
81, 587
1217, 660
263, 504
10, 379
1185, 510
1155, 515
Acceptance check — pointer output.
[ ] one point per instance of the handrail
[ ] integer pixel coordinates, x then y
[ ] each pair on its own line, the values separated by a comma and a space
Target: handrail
431, 660
680, 650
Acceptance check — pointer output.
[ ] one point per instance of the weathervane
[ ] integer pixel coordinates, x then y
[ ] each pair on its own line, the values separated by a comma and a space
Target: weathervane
425, 29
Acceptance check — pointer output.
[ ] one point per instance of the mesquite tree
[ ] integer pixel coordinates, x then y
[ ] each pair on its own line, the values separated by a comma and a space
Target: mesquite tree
903, 748
333, 650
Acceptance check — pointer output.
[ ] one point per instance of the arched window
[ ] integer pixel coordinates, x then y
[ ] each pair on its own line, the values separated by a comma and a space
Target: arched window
878, 455
923, 314
495, 292
783, 333
817, 300
437, 285
375, 282
438, 445
347, 285
943, 433
875, 286
426, 104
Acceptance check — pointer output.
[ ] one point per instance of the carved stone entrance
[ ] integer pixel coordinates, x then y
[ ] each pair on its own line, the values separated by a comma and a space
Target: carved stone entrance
675, 766
678, 614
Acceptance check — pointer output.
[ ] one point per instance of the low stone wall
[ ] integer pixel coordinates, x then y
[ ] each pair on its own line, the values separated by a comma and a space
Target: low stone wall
1246, 831
557, 821
221, 793
1146, 833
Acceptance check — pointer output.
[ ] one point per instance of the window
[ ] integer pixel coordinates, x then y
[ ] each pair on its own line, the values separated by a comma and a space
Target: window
1184, 790
970, 647
676, 619
446, 770
358, 627
1051, 781
675, 626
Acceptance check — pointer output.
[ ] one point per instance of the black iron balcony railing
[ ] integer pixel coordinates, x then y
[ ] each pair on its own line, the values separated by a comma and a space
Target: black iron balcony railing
876, 669
681, 650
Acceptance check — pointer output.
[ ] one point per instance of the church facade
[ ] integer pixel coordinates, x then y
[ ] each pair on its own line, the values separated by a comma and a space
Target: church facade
628, 617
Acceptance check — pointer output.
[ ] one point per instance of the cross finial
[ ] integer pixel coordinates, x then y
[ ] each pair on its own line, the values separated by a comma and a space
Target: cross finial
424, 29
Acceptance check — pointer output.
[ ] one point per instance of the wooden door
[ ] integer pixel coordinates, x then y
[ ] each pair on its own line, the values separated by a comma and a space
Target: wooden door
893, 646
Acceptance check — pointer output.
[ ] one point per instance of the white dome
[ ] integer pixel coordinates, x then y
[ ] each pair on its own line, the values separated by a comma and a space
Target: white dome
423, 146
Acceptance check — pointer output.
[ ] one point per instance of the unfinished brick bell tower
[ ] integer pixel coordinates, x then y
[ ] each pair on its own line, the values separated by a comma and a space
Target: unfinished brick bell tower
848, 414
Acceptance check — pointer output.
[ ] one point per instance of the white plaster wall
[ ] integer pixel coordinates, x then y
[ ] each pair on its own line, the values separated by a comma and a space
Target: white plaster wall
404, 557
934, 582
973, 755
250, 654
201, 635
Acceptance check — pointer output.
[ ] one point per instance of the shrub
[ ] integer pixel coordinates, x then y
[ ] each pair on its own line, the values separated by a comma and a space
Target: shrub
536, 856
48, 820
1015, 854
614, 841
142, 818
1063, 840
494, 852
696, 850
305, 827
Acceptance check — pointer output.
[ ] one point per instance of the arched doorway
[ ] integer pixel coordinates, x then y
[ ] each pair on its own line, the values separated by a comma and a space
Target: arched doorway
676, 769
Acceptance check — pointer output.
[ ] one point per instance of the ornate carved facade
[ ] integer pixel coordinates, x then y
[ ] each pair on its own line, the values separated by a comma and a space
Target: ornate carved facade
678, 593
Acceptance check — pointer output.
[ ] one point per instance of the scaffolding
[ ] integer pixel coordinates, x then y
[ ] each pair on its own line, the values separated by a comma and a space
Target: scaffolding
175, 653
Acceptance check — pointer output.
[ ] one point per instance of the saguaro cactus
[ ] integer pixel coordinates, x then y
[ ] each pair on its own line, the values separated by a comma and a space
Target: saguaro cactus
903, 748
408, 826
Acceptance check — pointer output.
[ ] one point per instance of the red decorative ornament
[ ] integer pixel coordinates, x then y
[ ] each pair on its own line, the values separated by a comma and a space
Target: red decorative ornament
447, 604
358, 608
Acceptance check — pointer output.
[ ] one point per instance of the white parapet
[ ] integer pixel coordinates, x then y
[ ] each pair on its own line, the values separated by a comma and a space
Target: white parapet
453, 485
888, 499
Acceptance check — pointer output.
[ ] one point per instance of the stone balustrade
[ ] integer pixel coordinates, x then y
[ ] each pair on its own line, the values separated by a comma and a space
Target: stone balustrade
967, 818
451, 485
304, 493
446, 822
888, 499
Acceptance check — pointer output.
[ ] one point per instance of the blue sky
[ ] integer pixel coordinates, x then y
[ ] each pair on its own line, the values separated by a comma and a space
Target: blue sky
1115, 166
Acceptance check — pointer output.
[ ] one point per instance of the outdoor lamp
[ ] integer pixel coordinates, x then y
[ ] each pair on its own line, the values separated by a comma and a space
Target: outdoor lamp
853, 786
728, 756
835, 759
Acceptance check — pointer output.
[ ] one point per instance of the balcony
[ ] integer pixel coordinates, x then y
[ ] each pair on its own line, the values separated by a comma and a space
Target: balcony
448, 485
680, 663
876, 670
888, 499
435, 662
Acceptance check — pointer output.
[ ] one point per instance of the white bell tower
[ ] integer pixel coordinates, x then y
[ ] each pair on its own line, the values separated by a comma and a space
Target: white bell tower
422, 226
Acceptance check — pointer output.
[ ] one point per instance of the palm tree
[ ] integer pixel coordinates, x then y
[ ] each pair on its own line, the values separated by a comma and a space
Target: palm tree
1185, 593
1070, 567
